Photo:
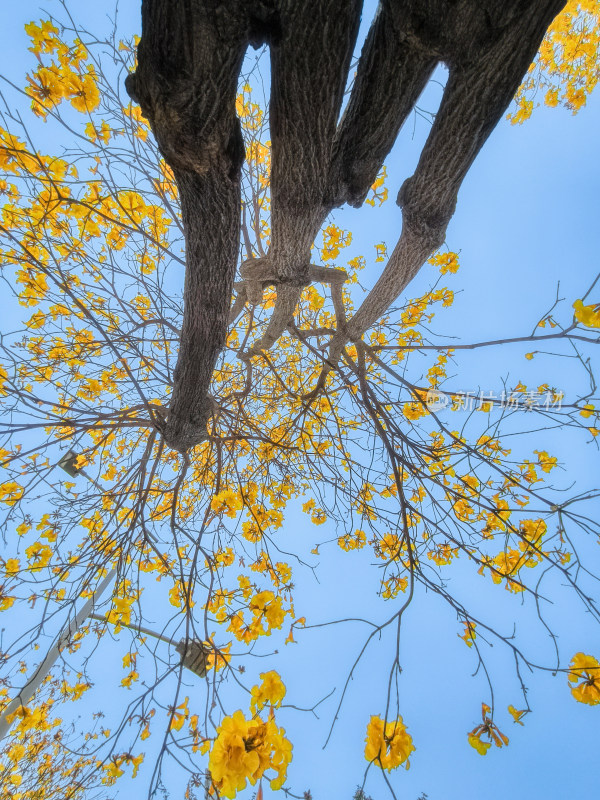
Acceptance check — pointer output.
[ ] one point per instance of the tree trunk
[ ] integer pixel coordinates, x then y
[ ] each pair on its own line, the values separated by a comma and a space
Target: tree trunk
190, 56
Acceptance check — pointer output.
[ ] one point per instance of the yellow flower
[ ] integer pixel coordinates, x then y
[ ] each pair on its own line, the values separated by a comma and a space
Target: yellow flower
27, 719
575, 98
120, 613
113, 770
12, 566
3, 380
178, 596
546, 462
244, 750
487, 728
334, 239
587, 315
469, 634
39, 555
10, 493
82, 92
6, 600
390, 546
586, 669
43, 36
226, 502
523, 112
45, 88
516, 715
133, 205
179, 715
447, 262
381, 250
127, 681
414, 411
318, 516
271, 690
103, 132
481, 747
352, 541
136, 761
392, 586
388, 744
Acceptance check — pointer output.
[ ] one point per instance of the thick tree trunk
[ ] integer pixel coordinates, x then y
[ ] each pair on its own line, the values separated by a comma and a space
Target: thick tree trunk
190, 55
309, 65
392, 73
487, 56
189, 59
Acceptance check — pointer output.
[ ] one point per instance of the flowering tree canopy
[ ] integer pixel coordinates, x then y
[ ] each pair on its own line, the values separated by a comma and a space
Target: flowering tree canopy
190, 350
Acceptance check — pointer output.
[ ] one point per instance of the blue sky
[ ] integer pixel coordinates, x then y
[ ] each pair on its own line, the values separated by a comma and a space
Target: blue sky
526, 219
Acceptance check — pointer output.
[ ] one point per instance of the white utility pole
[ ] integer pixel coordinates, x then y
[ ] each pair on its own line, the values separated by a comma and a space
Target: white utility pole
68, 464
32, 685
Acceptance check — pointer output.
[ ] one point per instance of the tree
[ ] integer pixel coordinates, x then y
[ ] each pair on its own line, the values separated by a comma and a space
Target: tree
308, 400
188, 94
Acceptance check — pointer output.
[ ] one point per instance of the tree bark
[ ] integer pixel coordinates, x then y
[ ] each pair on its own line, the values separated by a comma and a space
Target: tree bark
487, 58
391, 74
190, 56
189, 59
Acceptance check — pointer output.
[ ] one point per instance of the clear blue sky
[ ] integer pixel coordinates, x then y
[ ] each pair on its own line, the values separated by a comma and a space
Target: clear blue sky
526, 219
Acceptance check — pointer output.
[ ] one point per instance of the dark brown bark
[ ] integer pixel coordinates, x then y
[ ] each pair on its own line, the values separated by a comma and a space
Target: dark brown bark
392, 73
309, 66
487, 57
189, 60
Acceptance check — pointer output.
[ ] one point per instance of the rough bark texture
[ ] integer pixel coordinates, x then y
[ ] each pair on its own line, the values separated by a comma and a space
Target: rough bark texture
189, 60
487, 47
392, 73
309, 65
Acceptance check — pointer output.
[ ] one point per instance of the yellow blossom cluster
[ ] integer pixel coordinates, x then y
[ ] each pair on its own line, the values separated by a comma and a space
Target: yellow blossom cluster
124, 598
68, 77
334, 240
388, 744
378, 192
10, 493
447, 262
114, 768
271, 691
443, 554
390, 587
226, 502
267, 614
244, 750
588, 315
486, 729
251, 114
279, 573
265, 609
584, 672
506, 564
352, 541
567, 67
